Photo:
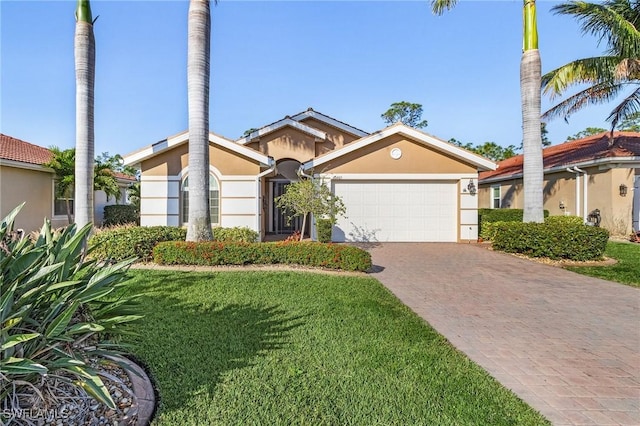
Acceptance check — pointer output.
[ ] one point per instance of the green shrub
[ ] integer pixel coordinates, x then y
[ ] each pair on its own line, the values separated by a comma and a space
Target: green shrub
132, 241
555, 240
564, 220
323, 230
486, 216
237, 234
57, 311
331, 256
120, 214
138, 241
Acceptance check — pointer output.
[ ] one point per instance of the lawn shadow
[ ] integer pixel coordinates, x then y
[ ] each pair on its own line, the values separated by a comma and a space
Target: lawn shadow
189, 346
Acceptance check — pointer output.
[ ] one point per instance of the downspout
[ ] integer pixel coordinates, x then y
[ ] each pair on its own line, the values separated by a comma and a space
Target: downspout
585, 208
259, 197
577, 172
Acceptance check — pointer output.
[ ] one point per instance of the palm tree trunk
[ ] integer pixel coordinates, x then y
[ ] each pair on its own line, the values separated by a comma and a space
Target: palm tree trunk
530, 84
199, 29
84, 50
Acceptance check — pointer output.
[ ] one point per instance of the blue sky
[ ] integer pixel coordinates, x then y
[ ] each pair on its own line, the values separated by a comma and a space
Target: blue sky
349, 60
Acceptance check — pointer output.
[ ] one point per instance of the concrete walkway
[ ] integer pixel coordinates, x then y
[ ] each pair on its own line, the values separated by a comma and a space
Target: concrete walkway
567, 344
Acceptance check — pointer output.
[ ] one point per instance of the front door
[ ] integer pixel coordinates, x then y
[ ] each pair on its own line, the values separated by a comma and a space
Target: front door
280, 224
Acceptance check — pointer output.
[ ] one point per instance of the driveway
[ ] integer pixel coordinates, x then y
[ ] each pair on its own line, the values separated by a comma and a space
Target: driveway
567, 344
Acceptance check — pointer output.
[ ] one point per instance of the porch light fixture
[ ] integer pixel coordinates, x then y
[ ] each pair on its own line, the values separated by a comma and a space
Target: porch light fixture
623, 190
561, 205
472, 187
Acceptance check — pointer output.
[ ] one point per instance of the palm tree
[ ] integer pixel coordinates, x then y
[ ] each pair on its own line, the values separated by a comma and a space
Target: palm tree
63, 165
615, 22
85, 64
530, 82
199, 29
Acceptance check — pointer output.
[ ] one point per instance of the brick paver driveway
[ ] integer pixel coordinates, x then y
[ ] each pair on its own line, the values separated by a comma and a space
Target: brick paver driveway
567, 344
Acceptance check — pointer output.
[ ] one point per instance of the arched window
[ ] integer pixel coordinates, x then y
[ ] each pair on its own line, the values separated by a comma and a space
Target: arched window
214, 200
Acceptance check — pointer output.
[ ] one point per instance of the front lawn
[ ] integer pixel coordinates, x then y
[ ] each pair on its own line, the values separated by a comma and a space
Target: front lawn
626, 271
287, 348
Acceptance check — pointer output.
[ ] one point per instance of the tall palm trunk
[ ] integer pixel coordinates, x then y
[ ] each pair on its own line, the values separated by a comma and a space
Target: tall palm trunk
85, 63
199, 226
530, 85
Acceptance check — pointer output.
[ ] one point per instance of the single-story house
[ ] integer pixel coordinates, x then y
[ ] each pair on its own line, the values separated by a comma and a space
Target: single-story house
580, 176
23, 178
398, 184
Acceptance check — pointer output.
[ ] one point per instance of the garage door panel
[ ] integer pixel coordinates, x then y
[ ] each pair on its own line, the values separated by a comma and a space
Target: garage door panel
397, 211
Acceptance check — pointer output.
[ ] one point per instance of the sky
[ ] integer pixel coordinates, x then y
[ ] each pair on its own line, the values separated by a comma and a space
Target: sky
347, 59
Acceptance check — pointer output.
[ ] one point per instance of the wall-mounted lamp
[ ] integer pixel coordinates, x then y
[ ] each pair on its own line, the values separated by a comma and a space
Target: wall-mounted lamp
472, 187
561, 205
623, 190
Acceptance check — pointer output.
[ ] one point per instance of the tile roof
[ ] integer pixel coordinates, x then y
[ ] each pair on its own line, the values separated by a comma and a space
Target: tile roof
25, 152
596, 147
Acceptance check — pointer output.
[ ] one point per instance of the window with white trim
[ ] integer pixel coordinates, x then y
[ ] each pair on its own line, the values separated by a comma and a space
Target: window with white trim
495, 197
214, 200
60, 202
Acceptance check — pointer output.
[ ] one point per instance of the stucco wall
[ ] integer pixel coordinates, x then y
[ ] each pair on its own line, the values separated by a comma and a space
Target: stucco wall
162, 176
33, 187
602, 193
175, 160
287, 142
336, 138
416, 158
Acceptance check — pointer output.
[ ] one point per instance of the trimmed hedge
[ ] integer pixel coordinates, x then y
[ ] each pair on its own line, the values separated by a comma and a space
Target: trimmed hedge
555, 240
564, 220
132, 241
331, 256
120, 214
138, 241
236, 234
323, 229
486, 216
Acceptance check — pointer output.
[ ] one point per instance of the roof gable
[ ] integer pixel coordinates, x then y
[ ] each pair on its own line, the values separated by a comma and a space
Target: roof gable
287, 121
595, 149
18, 150
182, 138
416, 135
310, 113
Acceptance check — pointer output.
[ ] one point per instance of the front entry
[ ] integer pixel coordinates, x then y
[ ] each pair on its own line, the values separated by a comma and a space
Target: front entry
279, 223
636, 204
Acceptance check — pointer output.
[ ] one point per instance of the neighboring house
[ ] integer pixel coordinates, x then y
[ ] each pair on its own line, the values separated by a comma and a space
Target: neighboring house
579, 177
398, 184
23, 178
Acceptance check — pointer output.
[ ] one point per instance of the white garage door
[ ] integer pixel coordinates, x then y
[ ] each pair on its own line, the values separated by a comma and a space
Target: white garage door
397, 211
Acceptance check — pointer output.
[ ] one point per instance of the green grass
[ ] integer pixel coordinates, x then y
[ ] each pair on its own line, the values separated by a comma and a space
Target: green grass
626, 271
290, 348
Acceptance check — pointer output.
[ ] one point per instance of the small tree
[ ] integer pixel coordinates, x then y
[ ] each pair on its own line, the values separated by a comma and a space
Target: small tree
406, 113
310, 196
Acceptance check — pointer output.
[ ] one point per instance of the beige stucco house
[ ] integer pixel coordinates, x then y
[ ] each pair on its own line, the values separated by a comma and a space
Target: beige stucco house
580, 176
23, 178
398, 184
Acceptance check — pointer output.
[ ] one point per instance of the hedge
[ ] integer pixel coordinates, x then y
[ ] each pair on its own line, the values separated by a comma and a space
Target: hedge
132, 241
120, 214
486, 216
323, 230
138, 241
315, 254
555, 239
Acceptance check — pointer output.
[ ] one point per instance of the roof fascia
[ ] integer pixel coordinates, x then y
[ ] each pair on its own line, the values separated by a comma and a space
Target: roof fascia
330, 121
23, 165
409, 132
278, 125
611, 162
181, 138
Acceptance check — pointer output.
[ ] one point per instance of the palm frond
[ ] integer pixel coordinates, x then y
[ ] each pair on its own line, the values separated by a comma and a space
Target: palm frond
629, 106
588, 70
596, 94
438, 7
613, 21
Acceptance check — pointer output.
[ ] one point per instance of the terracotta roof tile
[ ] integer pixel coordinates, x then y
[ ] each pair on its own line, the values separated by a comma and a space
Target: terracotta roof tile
625, 144
25, 152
